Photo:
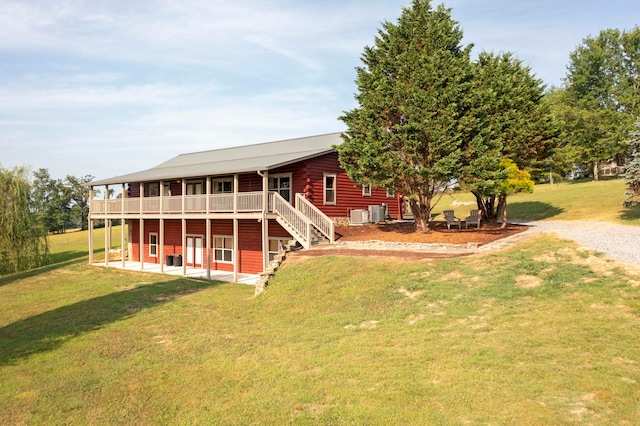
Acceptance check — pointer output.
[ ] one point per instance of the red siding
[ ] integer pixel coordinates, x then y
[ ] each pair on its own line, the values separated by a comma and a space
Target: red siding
249, 240
348, 193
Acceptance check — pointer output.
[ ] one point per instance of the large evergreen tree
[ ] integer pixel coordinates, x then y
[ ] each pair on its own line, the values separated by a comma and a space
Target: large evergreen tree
23, 241
415, 119
515, 125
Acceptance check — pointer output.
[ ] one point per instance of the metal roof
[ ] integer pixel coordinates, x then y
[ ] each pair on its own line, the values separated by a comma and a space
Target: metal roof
241, 159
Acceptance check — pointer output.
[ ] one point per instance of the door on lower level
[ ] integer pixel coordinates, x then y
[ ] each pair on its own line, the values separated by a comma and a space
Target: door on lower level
194, 251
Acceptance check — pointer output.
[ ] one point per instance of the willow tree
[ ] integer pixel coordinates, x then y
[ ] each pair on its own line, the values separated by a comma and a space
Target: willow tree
415, 117
23, 241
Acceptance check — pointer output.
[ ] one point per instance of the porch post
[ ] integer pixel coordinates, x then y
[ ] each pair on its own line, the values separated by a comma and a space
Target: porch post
265, 221
161, 242
141, 244
184, 246
90, 223
122, 241
184, 228
107, 224
208, 228
161, 231
235, 250
141, 241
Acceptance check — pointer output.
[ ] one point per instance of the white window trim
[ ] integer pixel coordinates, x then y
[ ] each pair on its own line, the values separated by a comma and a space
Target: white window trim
193, 184
280, 175
366, 190
335, 189
214, 249
216, 180
151, 254
280, 240
391, 193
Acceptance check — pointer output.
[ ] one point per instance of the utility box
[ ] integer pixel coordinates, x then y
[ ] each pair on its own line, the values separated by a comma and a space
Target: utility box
377, 213
359, 217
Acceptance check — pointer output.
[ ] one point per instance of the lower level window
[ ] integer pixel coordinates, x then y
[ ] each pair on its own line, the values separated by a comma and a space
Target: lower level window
223, 249
153, 244
275, 245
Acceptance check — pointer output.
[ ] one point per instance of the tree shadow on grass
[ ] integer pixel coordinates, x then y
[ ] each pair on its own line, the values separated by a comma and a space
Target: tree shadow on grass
532, 210
50, 330
56, 261
630, 213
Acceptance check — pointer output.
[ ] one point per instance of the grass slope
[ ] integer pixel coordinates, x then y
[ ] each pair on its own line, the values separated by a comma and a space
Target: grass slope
539, 334
575, 200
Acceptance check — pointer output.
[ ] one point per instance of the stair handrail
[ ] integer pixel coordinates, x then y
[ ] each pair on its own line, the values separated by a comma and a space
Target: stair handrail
294, 218
321, 221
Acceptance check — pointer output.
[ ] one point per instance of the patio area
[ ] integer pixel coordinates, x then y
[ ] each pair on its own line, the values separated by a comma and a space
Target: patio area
250, 279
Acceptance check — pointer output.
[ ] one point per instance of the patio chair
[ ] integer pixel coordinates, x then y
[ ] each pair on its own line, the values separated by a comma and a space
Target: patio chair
451, 219
474, 218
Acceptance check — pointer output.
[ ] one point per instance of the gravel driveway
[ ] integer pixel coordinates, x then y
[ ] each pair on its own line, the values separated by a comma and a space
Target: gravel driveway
619, 242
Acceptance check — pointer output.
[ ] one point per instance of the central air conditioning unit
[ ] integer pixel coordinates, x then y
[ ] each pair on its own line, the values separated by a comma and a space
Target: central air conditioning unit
359, 217
377, 213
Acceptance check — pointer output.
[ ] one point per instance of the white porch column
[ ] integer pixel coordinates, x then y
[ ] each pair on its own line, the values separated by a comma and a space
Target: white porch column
161, 242
184, 227
90, 226
184, 245
161, 231
208, 228
236, 252
122, 239
107, 227
141, 244
265, 221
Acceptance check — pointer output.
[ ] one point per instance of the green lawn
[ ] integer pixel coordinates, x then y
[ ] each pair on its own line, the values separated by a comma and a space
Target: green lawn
542, 333
533, 335
579, 200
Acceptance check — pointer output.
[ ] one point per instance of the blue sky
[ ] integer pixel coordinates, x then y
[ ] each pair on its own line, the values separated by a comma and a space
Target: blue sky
114, 86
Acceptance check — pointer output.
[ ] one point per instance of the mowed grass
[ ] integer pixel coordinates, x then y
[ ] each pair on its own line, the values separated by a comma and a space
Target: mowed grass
574, 200
540, 334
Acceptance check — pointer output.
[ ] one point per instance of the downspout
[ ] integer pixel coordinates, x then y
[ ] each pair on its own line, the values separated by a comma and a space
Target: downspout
265, 224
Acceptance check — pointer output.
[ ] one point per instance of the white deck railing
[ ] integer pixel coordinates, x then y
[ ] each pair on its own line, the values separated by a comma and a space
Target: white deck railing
318, 219
293, 218
299, 219
243, 202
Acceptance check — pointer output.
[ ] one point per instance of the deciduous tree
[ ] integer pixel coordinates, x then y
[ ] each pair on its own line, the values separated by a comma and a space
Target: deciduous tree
603, 87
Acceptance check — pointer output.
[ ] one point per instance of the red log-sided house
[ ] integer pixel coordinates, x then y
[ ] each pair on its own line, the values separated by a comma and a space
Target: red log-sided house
231, 209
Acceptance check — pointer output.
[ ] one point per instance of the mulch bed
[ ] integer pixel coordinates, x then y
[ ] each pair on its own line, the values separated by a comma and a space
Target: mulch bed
406, 232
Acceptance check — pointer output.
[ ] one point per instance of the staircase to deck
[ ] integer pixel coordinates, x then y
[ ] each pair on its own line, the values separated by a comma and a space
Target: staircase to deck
304, 221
